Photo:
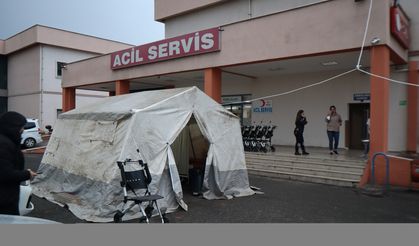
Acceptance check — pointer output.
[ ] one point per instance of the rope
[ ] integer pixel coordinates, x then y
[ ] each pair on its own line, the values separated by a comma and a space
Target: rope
358, 65
304, 87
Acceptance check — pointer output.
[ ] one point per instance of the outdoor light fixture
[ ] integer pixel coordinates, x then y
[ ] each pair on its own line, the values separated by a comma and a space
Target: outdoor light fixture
329, 63
375, 41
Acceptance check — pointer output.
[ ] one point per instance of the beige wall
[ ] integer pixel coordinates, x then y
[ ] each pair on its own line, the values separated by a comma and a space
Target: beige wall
229, 12
57, 37
24, 82
166, 8
23, 76
315, 101
50, 56
21, 40
33, 87
2, 43
51, 99
23, 72
28, 105
397, 135
52, 102
316, 29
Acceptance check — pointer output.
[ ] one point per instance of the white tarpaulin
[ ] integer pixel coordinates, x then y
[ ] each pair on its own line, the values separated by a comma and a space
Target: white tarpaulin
79, 165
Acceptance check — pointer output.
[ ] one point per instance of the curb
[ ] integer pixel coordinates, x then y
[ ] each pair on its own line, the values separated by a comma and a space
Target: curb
38, 150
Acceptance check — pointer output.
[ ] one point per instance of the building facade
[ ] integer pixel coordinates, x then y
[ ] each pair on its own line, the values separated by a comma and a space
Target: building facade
276, 57
31, 65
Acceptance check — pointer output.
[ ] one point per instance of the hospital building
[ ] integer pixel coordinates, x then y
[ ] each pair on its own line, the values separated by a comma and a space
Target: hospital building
266, 59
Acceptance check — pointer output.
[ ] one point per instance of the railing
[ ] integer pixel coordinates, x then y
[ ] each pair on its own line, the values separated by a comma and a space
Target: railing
387, 169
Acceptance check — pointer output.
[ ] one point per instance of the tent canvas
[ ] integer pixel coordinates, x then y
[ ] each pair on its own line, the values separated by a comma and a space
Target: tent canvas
79, 165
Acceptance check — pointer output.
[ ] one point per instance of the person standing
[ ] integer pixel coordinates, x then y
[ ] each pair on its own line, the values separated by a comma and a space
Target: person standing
334, 121
300, 122
12, 162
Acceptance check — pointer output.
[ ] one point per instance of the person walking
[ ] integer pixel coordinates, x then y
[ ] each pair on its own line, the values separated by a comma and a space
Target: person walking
12, 162
334, 121
300, 122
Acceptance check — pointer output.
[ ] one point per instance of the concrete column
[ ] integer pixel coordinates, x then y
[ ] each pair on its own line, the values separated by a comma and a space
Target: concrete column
412, 107
69, 99
379, 116
121, 87
380, 88
212, 83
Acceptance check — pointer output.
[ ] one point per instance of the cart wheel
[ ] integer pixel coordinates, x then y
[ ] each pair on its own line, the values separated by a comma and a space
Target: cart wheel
272, 148
117, 218
149, 211
166, 220
143, 219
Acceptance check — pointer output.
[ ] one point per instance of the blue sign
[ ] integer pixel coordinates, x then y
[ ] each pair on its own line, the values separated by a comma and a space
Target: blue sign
263, 106
361, 97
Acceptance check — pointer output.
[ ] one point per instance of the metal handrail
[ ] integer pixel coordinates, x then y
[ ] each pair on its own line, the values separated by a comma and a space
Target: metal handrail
387, 168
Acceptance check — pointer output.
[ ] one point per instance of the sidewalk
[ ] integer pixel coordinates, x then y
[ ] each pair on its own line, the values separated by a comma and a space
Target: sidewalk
319, 152
282, 202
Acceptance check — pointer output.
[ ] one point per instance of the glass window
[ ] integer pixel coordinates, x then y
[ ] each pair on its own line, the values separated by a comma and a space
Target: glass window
60, 66
3, 105
29, 125
236, 105
3, 72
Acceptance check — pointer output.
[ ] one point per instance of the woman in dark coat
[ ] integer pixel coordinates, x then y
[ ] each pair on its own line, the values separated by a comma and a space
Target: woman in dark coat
12, 162
300, 122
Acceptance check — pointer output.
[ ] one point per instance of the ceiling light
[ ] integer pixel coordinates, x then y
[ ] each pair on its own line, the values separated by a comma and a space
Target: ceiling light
329, 63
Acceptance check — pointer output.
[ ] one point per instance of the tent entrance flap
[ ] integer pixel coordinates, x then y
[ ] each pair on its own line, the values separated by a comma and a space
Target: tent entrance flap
190, 151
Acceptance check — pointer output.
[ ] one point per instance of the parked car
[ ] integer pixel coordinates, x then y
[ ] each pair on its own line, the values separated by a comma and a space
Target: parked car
31, 134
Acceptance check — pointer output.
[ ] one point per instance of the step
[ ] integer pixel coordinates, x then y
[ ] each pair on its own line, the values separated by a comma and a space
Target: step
325, 156
305, 178
314, 159
302, 164
318, 171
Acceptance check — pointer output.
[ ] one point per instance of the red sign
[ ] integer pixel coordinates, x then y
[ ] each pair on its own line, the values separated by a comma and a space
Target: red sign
400, 26
186, 45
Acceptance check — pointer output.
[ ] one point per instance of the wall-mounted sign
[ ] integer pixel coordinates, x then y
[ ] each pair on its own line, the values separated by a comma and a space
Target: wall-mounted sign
186, 45
230, 99
399, 23
361, 97
262, 106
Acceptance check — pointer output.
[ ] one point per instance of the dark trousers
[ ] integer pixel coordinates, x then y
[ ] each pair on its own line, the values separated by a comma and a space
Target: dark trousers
333, 140
299, 140
197, 177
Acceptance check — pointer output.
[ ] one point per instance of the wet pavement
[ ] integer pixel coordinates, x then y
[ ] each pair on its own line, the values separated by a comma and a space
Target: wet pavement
283, 201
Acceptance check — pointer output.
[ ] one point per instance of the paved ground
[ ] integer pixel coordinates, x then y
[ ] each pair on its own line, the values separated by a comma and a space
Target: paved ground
282, 202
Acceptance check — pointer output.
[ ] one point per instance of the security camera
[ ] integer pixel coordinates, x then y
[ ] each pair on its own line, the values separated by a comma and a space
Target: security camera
375, 41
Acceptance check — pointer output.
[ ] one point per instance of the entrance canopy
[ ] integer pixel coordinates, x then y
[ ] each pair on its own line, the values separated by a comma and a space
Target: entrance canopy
79, 165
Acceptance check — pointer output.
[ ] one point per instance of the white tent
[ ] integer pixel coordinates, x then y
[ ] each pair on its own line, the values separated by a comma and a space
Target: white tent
79, 165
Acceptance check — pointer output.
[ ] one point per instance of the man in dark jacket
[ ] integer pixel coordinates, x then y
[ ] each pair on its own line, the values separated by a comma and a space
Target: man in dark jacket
12, 162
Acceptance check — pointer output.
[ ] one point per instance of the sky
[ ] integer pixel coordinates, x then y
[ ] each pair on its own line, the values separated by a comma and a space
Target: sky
127, 21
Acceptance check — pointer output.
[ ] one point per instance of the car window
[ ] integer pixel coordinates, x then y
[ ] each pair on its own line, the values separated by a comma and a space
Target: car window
29, 125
